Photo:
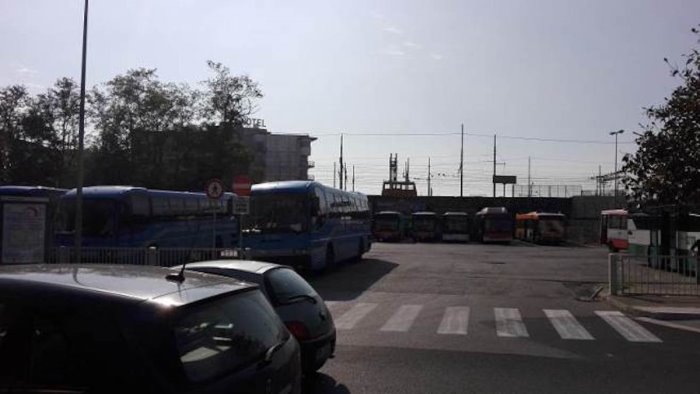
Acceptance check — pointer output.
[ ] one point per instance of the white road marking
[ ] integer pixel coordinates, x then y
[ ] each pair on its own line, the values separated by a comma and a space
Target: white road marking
350, 318
509, 323
566, 324
669, 324
455, 320
403, 318
627, 327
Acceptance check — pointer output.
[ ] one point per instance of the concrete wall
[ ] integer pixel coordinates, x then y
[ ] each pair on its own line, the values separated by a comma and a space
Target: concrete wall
583, 212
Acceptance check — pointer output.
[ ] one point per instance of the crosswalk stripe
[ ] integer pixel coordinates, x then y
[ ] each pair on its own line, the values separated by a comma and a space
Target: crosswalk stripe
566, 324
350, 318
509, 323
629, 329
403, 318
455, 320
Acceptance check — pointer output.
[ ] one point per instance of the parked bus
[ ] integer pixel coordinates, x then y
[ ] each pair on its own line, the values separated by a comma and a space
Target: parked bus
126, 216
388, 226
540, 227
456, 226
307, 224
425, 226
613, 229
493, 224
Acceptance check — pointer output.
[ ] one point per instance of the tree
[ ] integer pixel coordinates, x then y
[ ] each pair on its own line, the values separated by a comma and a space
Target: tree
229, 100
666, 167
13, 105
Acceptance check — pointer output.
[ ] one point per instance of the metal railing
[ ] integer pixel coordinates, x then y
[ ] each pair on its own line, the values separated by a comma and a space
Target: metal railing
164, 257
653, 275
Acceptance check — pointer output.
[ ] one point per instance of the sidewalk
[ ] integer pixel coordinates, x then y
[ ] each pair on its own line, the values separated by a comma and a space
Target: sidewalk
659, 307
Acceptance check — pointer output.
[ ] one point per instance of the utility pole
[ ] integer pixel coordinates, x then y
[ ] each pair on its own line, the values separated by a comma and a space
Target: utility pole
616, 133
599, 189
353, 177
494, 165
345, 182
81, 147
529, 187
461, 166
429, 190
340, 174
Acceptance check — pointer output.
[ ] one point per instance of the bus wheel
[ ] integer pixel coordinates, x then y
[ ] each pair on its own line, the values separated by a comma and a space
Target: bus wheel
330, 258
360, 250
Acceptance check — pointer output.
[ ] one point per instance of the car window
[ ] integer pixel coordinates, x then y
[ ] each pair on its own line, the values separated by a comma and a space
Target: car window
58, 347
284, 284
226, 334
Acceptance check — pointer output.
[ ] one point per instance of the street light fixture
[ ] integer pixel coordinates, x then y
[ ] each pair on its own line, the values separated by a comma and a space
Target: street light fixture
616, 133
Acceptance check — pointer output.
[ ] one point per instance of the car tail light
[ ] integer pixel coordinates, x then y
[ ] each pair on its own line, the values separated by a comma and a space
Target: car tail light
298, 329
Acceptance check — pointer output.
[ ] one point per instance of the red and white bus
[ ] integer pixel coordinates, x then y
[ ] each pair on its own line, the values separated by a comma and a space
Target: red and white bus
613, 229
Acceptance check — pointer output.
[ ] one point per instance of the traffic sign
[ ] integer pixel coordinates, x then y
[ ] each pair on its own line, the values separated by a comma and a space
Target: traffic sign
241, 185
241, 206
214, 189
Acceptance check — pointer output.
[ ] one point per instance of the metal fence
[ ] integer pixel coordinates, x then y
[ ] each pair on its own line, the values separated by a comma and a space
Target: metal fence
653, 275
164, 257
562, 191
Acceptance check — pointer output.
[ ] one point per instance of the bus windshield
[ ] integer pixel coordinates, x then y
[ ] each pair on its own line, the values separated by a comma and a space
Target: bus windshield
279, 213
456, 224
386, 223
98, 217
550, 225
496, 224
424, 224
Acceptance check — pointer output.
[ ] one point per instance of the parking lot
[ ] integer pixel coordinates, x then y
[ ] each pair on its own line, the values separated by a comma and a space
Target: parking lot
490, 318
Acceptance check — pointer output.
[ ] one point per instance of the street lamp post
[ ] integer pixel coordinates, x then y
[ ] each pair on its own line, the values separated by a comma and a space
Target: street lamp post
616, 133
81, 139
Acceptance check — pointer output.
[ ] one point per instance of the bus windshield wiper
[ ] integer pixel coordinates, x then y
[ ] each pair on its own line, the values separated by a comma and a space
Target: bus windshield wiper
300, 297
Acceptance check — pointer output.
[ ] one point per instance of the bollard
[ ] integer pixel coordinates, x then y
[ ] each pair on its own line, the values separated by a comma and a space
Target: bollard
612, 274
152, 255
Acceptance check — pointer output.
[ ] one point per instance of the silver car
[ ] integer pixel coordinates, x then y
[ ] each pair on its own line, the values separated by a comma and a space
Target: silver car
298, 305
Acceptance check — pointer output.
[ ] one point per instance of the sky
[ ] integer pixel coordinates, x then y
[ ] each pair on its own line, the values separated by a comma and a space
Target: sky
393, 76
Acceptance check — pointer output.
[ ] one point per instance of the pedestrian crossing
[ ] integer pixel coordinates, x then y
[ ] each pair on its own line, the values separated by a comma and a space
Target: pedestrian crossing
507, 322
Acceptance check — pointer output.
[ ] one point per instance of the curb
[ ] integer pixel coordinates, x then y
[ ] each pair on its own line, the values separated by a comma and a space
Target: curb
669, 313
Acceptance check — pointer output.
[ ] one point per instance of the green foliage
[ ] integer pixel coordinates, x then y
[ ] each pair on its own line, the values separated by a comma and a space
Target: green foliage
143, 131
666, 167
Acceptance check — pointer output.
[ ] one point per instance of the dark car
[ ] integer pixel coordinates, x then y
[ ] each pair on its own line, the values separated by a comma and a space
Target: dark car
127, 329
302, 310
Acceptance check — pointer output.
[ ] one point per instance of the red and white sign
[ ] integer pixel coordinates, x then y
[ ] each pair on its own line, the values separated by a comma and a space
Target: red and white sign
241, 185
214, 189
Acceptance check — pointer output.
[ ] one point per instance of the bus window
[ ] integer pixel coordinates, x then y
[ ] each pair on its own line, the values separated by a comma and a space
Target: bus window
160, 206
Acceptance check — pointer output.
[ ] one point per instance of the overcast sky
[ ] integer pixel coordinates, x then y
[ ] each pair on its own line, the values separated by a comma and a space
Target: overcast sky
571, 70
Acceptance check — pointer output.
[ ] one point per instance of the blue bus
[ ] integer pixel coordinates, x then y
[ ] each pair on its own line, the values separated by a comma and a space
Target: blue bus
306, 224
127, 216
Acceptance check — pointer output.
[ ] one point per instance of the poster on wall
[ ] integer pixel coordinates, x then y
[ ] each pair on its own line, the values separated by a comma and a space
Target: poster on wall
23, 233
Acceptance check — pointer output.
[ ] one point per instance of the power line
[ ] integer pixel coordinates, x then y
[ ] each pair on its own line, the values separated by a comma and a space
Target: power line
450, 133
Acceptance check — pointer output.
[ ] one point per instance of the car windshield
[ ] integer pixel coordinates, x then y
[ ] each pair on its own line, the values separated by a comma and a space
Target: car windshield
278, 213
226, 334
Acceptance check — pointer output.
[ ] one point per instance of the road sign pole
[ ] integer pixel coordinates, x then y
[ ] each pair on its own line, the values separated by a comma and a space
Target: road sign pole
240, 237
213, 232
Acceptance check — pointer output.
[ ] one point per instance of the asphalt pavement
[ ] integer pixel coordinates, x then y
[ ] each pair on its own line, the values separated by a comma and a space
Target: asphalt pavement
443, 318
